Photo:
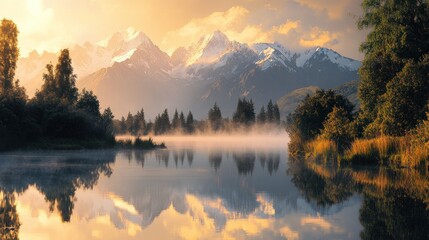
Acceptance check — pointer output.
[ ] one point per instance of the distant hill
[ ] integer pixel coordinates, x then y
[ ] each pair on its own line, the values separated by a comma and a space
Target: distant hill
289, 102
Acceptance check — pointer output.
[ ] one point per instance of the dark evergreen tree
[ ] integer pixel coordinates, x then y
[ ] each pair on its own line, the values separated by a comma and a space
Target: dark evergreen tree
107, 122
88, 103
276, 114
270, 112
215, 117
130, 123
262, 116
139, 122
182, 121
175, 123
245, 112
190, 123
123, 125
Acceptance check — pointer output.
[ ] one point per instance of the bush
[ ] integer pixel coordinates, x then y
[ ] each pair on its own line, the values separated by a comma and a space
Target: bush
307, 120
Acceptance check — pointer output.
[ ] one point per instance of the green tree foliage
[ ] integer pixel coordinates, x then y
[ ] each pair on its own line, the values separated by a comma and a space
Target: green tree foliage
9, 54
406, 98
395, 52
245, 112
215, 117
306, 122
338, 127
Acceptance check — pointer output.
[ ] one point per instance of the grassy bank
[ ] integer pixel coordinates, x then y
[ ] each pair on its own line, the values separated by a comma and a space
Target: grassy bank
394, 151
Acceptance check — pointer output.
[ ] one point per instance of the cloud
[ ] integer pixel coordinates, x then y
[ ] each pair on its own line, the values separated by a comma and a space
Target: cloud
233, 22
286, 27
193, 30
333, 8
318, 37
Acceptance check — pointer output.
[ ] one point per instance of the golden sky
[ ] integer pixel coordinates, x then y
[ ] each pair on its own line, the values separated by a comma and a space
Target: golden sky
297, 24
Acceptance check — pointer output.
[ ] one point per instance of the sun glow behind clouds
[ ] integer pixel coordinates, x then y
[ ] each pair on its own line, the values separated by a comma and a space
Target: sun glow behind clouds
51, 25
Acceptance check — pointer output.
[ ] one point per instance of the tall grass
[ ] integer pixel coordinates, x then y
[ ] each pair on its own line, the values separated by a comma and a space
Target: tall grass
323, 149
376, 150
400, 151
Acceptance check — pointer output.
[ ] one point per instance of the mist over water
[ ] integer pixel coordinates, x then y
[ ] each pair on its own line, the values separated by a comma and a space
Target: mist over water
258, 140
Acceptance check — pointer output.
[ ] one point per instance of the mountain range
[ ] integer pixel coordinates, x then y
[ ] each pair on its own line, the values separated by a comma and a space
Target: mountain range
127, 72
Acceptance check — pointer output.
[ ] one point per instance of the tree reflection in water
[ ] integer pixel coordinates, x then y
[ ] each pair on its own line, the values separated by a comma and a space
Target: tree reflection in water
215, 159
57, 179
9, 219
245, 162
395, 201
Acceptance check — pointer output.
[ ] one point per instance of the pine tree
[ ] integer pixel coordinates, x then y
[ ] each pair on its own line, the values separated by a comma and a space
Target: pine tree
123, 125
190, 123
182, 121
130, 123
107, 121
245, 112
215, 117
9, 53
270, 112
175, 123
262, 116
276, 114
139, 122
165, 122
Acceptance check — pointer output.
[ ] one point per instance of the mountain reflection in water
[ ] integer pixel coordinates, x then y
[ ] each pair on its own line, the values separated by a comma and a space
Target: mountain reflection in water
189, 192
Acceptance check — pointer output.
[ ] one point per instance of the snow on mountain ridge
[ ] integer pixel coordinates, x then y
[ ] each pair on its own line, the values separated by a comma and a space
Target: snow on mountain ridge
328, 54
209, 49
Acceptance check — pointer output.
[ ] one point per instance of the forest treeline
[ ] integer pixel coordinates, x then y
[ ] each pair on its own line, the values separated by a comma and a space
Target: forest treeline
58, 115
392, 126
243, 117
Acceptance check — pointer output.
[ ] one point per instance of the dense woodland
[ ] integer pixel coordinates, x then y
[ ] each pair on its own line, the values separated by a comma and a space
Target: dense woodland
244, 117
392, 126
58, 116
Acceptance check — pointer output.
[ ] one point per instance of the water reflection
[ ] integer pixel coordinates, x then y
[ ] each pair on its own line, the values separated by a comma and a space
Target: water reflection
210, 193
215, 159
395, 202
9, 219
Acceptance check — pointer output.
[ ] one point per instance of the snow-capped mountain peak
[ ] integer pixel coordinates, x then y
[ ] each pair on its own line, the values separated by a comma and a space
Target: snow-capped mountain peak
209, 48
272, 54
325, 54
125, 40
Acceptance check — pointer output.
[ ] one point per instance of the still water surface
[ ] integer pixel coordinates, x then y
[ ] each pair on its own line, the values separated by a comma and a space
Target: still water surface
203, 188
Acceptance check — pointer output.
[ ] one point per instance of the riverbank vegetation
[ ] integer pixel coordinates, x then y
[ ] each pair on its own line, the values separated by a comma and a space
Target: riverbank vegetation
392, 126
